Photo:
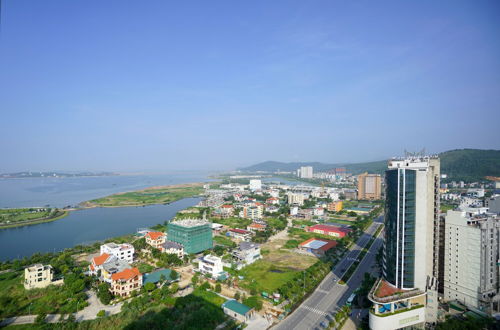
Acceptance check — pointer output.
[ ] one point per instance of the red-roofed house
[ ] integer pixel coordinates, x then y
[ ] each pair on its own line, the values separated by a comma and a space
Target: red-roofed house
256, 227
329, 230
239, 234
317, 246
273, 201
125, 282
97, 262
226, 210
155, 238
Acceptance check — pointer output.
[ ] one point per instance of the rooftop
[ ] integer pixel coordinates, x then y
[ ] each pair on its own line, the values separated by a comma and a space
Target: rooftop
126, 274
239, 231
115, 265
248, 245
99, 260
330, 228
190, 222
172, 245
155, 234
318, 243
236, 307
384, 292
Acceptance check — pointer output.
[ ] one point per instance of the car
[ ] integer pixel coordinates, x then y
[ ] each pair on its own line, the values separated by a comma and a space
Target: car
324, 324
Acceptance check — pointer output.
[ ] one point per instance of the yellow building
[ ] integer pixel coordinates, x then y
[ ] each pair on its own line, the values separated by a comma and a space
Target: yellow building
38, 276
335, 206
369, 186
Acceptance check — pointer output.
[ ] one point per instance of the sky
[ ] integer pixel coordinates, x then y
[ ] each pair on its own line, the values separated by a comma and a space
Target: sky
207, 85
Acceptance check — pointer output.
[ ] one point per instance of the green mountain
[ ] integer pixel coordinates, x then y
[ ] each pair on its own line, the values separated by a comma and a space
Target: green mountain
460, 164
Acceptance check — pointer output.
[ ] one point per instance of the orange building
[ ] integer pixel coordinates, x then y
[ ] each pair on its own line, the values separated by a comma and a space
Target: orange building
369, 186
156, 239
335, 206
125, 282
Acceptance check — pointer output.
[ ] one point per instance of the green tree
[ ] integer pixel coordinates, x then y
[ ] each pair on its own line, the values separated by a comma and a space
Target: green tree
218, 288
237, 295
101, 313
174, 275
103, 293
149, 286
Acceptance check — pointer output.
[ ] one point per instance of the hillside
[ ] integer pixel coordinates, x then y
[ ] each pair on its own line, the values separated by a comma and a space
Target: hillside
460, 164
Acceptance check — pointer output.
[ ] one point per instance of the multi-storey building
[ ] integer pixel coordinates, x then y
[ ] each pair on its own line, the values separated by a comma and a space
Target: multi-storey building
335, 206
173, 248
211, 265
247, 253
295, 199
122, 251
125, 282
252, 212
255, 185
193, 234
38, 276
306, 172
407, 294
156, 239
369, 186
471, 260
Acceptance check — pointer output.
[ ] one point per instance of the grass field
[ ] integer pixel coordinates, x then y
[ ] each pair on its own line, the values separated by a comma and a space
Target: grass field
148, 196
277, 267
233, 222
28, 216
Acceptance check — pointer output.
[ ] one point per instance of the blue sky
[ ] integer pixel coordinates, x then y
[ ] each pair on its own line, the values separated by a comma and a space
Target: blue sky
160, 85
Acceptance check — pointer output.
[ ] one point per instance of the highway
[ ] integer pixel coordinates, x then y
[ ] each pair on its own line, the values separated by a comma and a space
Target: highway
329, 295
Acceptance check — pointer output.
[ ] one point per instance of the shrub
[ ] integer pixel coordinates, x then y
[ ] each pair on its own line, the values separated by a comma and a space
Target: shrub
101, 313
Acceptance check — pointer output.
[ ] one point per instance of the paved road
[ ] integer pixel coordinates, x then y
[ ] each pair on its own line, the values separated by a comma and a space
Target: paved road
329, 295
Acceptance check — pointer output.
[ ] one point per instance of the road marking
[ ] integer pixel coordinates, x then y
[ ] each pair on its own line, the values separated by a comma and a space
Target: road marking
322, 291
317, 311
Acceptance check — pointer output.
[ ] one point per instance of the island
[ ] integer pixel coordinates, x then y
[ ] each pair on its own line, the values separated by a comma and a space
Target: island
29, 216
148, 196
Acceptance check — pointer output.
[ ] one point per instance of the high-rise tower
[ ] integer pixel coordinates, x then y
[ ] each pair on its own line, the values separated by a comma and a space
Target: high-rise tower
407, 293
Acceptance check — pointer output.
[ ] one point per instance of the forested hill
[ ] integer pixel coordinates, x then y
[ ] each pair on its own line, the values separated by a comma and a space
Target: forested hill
460, 164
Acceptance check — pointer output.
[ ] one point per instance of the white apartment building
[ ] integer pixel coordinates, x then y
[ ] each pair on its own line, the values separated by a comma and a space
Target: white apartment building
295, 199
306, 172
210, 264
255, 185
122, 251
472, 258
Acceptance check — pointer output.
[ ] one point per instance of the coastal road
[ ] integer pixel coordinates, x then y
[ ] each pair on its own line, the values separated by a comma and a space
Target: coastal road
330, 295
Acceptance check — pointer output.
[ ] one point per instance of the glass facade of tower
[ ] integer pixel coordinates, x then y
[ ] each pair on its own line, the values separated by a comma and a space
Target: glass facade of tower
399, 246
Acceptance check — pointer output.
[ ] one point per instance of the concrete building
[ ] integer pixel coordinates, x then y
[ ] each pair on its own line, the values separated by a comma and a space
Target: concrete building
493, 204
247, 253
306, 172
38, 276
369, 186
255, 185
317, 246
239, 234
471, 260
123, 251
253, 212
407, 294
170, 247
112, 266
193, 234
155, 238
211, 265
125, 282
295, 199
335, 206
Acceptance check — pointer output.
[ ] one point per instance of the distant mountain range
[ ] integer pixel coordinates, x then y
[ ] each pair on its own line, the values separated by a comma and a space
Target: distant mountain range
29, 174
460, 164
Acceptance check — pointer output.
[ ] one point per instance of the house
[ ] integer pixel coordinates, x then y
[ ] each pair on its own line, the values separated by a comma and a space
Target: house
272, 209
123, 251
97, 262
335, 206
273, 201
304, 213
225, 211
217, 227
240, 234
238, 311
329, 230
155, 238
211, 265
256, 227
173, 248
247, 253
112, 266
317, 246
39, 276
125, 282
294, 210
318, 211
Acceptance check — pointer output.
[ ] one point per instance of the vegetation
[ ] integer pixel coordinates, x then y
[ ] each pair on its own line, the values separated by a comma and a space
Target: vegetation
233, 222
29, 216
154, 195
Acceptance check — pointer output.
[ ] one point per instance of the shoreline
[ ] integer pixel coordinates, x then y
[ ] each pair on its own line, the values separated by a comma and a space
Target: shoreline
35, 222
88, 205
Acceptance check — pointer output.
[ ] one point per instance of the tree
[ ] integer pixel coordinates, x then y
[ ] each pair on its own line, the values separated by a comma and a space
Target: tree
218, 288
237, 295
174, 275
103, 293
253, 302
149, 286
219, 250
139, 244
101, 313
195, 279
